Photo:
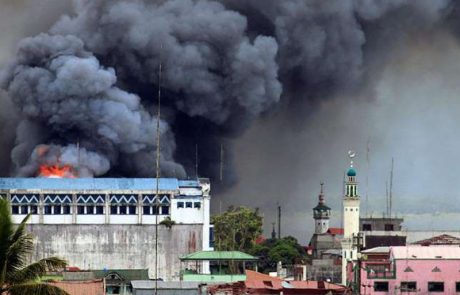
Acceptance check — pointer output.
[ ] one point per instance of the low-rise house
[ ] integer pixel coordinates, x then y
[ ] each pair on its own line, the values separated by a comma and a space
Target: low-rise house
223, 266
421, 269
118, 281
258, 283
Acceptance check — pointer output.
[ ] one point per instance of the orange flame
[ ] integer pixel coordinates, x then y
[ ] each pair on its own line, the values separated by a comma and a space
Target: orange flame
56, 171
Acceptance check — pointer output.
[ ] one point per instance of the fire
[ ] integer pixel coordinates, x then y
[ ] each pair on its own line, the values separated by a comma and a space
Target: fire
56, 171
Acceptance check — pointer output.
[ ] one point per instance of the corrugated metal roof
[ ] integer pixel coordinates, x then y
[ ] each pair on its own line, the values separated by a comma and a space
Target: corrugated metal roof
382, 249
218, 255
95, 287
189, 183
425, 252
149, 285
88, 183
125, 274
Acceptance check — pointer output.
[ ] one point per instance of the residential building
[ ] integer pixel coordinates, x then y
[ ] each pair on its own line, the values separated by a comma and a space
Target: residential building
258, 283
225, 266
418, 269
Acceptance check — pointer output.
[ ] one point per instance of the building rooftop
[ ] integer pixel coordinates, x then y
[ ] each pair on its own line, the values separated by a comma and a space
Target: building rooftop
440, 240
425, 252
94, 287
375, 250
150, 285
218, 255
94, 183
124, 274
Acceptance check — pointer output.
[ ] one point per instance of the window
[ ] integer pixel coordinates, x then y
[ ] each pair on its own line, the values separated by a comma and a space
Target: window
24, 210
165, 210
180, 204
367, 227
113, 210
408, 286
381, 286
188, 204
47, 210
457, 287
56, 209
435, 286
146, 210
33, 210
15, 209
122, 210
99, 210
197, 205
89, 209
132, 210
66, 209
389, 227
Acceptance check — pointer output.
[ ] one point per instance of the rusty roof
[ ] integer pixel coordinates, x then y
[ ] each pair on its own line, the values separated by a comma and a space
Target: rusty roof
440, 240
93, 287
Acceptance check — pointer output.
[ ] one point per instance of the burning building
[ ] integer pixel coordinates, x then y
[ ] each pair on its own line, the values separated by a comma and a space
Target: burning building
98, 223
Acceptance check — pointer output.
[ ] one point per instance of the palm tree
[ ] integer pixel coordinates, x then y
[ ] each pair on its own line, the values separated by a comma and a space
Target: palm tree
16, 246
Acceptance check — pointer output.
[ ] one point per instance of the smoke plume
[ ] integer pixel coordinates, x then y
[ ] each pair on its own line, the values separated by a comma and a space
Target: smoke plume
93, 78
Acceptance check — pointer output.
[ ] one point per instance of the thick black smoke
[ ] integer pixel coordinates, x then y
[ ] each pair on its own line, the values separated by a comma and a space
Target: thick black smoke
93, 78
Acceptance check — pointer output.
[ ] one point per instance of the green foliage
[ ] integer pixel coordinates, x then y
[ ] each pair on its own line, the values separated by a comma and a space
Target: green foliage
168, 222
237, 229
16, 245
287, 250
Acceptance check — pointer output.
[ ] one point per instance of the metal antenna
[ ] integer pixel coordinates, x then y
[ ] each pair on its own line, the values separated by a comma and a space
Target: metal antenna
279, 222
157, 199
221, 162
78, 156
391, 187
367, 175
386, 196
196, 160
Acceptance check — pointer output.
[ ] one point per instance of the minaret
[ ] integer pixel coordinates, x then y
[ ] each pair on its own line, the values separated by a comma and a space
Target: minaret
351, 204
350, 218
321, 214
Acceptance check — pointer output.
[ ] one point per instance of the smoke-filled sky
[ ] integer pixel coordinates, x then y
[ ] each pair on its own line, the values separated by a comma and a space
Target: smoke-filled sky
287, 87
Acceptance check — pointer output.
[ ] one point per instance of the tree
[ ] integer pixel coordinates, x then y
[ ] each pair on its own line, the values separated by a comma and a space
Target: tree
271, 251
16, 245
237, 229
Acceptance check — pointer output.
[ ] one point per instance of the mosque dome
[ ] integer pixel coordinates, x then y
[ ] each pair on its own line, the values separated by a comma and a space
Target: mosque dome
351, 172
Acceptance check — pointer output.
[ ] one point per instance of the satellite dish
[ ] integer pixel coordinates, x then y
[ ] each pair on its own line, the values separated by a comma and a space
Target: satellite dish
351, 154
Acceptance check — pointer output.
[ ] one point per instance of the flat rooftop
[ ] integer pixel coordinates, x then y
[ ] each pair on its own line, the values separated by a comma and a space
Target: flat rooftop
39, 183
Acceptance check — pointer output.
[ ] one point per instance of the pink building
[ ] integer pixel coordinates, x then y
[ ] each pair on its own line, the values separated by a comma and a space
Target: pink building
410, 270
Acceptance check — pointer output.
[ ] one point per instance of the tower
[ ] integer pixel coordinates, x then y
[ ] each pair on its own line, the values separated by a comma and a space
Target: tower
350, 218
321, 214
351, 204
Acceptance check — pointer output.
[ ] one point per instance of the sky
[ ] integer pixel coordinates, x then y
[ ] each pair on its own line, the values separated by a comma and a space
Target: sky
412, 118
408, 110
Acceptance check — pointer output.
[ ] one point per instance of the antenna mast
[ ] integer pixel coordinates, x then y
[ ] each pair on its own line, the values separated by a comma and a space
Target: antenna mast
367, 176
221, 162
157, 199
196, 160
391, 187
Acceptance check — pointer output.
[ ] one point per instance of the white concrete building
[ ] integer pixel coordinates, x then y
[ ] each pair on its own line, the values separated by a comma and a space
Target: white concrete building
351, 210
98, 223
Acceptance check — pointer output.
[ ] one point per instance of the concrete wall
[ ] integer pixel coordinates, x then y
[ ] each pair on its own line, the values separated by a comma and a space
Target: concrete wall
422, 273
118, 246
